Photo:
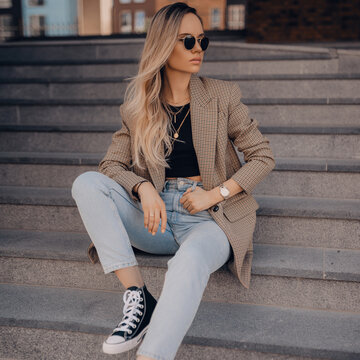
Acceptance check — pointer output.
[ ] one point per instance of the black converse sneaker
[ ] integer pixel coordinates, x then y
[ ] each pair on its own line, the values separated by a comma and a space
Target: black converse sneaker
129, 332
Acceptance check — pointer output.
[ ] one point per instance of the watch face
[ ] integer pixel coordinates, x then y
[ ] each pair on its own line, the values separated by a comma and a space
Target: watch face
224, 191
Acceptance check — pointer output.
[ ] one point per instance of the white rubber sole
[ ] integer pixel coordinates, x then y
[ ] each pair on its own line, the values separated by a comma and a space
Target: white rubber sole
124, 346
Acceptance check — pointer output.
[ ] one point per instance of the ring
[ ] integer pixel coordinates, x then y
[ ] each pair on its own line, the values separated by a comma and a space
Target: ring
152, 215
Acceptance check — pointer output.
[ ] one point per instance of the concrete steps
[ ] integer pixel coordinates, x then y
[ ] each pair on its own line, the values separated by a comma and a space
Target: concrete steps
58, 259
308, 177
268, 113
293, 88
265, 329
51, 208
59, 106
299, 141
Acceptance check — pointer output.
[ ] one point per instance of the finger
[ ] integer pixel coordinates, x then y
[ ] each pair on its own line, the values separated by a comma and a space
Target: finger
156, 222
163, 219
151, 219
146, 218
183, 196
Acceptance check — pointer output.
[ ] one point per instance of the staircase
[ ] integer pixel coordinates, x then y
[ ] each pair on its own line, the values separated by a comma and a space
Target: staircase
59, 105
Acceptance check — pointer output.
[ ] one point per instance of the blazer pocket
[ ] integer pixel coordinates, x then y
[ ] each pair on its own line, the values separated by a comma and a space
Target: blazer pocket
241, 205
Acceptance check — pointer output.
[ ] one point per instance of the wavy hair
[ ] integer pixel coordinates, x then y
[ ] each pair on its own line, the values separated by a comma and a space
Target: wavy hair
144, 102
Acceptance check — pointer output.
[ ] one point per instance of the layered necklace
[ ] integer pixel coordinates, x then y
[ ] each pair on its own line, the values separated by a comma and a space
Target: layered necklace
176, 131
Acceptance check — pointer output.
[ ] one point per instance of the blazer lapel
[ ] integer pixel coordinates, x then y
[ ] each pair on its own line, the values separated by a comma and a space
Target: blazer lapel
204, 119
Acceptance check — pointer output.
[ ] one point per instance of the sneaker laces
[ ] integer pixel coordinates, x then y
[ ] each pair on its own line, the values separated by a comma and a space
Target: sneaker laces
132, 300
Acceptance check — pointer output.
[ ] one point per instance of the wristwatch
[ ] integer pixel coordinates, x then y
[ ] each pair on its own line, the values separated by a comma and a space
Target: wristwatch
224, 191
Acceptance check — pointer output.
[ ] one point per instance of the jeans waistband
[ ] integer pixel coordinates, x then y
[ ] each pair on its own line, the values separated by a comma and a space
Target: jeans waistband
181, 183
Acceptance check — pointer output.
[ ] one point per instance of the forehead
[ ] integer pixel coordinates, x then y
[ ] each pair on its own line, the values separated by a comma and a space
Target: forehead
191, 25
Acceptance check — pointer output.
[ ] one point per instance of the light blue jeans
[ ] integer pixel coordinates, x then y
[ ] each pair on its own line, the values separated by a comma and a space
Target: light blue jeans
115, 223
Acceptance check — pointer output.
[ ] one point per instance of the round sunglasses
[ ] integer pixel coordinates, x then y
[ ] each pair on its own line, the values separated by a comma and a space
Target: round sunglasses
189, 42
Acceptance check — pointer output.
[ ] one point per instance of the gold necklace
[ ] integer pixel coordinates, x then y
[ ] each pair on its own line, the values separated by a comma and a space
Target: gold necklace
176, 134
174, 114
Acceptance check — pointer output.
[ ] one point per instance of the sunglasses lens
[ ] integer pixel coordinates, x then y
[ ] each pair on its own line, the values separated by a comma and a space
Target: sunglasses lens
204, 43
189, 42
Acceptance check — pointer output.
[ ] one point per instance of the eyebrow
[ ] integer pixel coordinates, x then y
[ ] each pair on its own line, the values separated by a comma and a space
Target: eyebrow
190, 34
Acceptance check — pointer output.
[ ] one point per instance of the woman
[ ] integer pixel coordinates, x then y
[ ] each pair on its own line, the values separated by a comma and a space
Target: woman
186, 181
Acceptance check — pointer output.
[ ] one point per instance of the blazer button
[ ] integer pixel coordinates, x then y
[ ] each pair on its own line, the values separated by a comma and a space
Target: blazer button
216, 208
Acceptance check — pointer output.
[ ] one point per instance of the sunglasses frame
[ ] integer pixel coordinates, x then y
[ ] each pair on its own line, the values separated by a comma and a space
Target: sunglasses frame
193, 39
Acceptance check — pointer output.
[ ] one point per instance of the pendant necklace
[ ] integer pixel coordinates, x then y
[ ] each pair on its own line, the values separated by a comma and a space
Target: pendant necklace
176, 134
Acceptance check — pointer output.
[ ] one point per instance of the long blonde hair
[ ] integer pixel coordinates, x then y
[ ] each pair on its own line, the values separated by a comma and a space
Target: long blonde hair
144, 101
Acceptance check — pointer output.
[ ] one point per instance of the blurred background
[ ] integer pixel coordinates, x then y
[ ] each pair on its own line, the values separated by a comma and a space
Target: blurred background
247, 20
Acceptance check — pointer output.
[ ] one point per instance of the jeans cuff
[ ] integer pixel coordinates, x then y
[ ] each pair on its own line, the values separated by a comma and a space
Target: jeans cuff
111, 268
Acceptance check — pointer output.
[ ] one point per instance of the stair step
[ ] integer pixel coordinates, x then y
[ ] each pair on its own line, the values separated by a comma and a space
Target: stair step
266, 288
304, 221
281, 330
208, 68
276, 260
283, 145
269, 205
282, 163
128, 50
226, 77
290, 177
246, 101
255, 89
108, 127
325, 115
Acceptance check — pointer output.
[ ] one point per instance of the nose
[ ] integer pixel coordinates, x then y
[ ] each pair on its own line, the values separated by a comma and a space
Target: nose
197, 46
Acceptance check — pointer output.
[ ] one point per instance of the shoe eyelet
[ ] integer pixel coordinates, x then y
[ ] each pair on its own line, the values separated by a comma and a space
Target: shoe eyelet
129, 331
141, 313
137, 320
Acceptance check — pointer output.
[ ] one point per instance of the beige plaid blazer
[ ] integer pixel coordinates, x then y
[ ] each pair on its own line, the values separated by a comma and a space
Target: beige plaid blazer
219, 122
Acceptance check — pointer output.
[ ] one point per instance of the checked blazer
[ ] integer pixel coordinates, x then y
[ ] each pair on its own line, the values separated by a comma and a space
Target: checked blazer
220, 124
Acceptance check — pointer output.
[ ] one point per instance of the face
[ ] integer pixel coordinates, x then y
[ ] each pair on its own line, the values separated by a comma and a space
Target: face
180, 58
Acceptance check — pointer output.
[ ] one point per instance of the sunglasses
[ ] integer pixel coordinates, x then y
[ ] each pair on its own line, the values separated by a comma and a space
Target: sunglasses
189, 42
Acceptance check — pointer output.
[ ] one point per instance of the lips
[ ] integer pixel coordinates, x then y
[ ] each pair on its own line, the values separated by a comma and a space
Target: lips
196, 59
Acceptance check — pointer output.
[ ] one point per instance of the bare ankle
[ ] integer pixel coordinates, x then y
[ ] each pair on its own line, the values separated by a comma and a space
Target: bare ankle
143, 357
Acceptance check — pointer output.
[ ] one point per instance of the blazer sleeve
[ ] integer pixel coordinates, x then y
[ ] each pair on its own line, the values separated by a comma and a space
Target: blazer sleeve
117, 160
244, 133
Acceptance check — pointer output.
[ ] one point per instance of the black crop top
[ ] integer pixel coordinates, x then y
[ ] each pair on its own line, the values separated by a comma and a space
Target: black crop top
182, 160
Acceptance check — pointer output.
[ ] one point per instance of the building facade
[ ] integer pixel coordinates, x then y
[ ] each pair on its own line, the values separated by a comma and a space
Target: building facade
133, 16
10, 19
49, 17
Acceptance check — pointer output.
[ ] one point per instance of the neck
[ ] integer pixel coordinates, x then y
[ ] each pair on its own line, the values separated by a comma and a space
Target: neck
176, 87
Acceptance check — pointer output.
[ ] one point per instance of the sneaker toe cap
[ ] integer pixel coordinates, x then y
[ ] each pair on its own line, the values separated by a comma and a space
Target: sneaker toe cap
115, 339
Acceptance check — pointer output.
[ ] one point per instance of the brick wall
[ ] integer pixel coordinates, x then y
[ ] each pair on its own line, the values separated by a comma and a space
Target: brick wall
302, 20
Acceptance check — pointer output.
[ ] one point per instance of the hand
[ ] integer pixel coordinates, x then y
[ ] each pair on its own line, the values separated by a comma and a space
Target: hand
152, 203
197, 200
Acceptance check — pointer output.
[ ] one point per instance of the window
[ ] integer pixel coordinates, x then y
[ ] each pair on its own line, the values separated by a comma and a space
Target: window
5, 4
139, 1
124, 1
125, 21
139, 21
6, 27
236, 16
35, 2
37, 25
215, 18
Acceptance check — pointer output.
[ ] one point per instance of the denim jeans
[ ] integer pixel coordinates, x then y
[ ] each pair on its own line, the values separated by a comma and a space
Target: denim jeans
115, 223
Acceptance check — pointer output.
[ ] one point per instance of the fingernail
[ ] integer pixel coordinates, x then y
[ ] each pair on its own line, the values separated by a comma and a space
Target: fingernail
153, 233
